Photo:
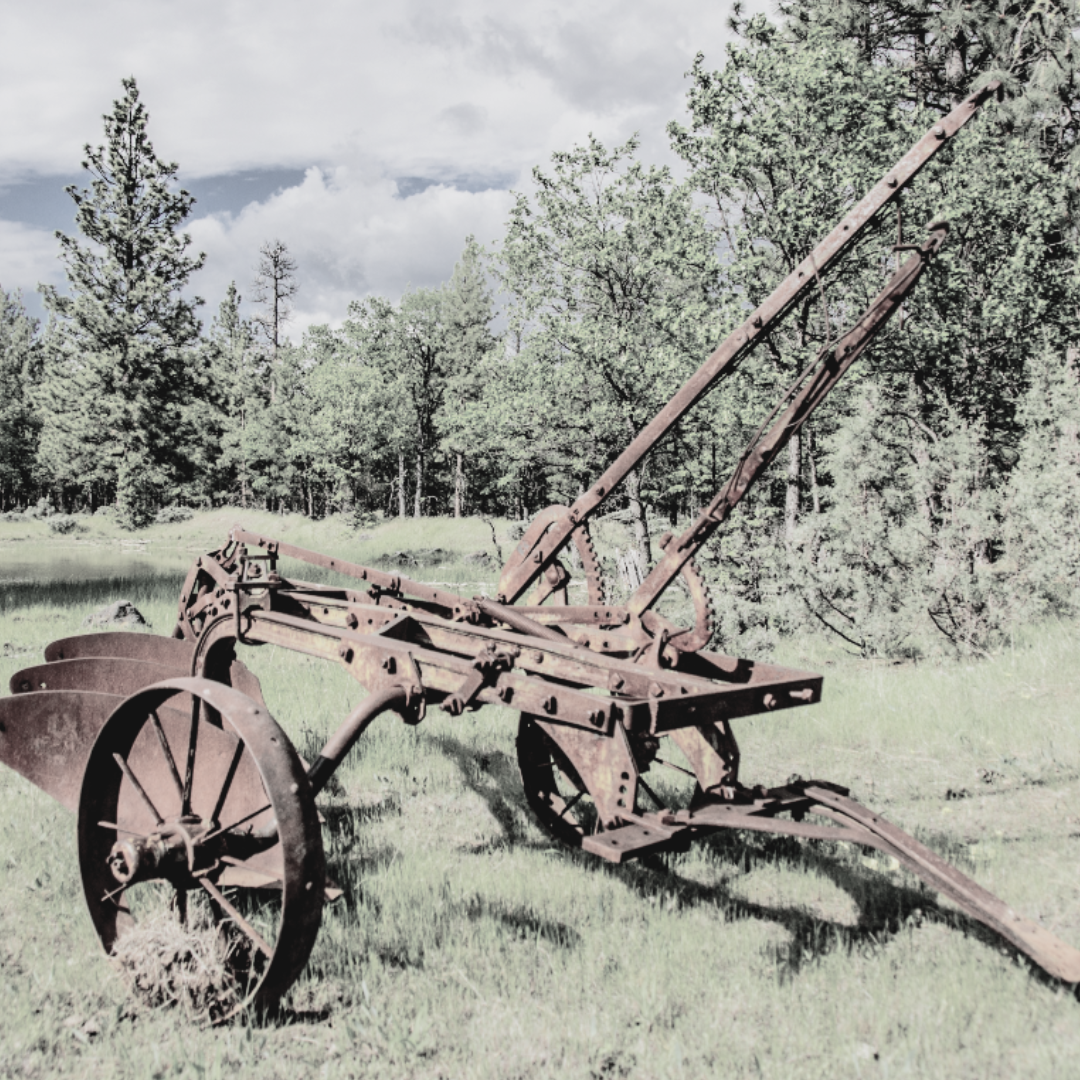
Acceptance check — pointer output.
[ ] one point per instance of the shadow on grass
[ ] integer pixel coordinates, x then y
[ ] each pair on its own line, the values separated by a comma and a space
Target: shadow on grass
523, 923
493, 776
885, 907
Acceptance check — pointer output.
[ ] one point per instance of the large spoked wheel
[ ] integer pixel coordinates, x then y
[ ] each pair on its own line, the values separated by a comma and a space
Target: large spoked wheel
554, 790
196, 812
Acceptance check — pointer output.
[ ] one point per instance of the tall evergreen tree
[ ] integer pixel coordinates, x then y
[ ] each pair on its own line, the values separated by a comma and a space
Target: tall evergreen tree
468, 312
118, 377
19, 358
231, 396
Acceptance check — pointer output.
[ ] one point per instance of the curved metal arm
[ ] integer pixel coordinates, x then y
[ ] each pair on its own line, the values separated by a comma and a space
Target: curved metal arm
766, 445
343, 740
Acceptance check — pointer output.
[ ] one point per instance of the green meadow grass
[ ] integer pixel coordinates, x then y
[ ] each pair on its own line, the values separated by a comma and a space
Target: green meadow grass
465, 945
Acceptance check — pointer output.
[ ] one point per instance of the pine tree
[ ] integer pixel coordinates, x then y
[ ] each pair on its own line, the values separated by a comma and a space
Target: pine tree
230, 393
117, 378
18, 424
467, 315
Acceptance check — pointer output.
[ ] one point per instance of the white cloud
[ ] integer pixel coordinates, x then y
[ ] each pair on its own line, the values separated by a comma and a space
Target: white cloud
357, 94
351, 235
27, 256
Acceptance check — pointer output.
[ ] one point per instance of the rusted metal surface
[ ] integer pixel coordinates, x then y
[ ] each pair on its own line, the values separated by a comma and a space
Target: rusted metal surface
103, 674
182, 776
168, 653
47, 736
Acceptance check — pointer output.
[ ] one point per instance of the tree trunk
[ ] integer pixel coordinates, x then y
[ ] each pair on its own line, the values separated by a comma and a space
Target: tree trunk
401, 484
791, 499
641, 523
418, 500
637, 507
459, 484
815, 495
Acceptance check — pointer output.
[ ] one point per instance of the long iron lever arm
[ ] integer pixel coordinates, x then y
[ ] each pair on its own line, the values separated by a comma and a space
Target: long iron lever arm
816, 383
521, 572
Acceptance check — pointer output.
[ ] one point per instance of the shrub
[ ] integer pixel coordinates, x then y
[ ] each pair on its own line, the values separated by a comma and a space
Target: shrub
65, 524
173, 515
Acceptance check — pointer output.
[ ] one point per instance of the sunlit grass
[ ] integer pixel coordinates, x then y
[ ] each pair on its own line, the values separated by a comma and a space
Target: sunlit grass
465, 945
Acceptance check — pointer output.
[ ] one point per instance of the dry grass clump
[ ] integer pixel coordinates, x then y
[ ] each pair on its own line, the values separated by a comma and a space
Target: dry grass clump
168, 964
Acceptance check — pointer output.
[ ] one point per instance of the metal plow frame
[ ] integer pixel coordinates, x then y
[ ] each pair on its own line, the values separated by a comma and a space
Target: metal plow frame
184, 782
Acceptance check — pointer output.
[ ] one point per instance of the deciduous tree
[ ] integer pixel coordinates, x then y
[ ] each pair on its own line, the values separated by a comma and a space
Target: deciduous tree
611, 274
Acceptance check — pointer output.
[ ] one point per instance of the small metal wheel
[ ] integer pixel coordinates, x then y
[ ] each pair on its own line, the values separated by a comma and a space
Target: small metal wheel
195, 813
555, 792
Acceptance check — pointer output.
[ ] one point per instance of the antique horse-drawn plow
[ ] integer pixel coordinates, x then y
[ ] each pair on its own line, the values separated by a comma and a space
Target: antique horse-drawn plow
186, 787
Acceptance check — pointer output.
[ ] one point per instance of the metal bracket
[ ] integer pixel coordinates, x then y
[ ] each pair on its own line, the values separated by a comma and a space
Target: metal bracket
490, 662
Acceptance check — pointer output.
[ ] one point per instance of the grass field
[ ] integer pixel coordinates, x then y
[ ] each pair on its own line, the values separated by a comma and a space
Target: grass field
466, 946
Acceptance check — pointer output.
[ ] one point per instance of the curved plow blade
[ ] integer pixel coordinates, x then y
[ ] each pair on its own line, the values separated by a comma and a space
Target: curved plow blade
168, 653
46, 736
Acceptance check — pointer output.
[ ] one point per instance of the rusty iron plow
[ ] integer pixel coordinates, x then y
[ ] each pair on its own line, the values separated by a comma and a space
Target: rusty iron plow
190, 796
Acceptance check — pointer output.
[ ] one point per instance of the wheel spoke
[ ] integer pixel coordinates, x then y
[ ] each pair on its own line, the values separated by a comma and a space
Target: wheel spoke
235, 824
167, 751
652, 794
133, 780
119, 828
569, 804
193, 739
222, 795
677, 768
236, 917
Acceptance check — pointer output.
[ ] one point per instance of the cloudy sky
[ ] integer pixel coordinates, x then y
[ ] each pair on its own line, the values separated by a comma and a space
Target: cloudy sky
371, 138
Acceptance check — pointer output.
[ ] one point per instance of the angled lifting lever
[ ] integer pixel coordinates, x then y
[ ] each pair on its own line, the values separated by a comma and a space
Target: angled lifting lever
529, 566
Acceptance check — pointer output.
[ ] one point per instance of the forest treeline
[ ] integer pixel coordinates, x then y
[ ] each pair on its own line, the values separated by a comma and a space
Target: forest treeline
932, 498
